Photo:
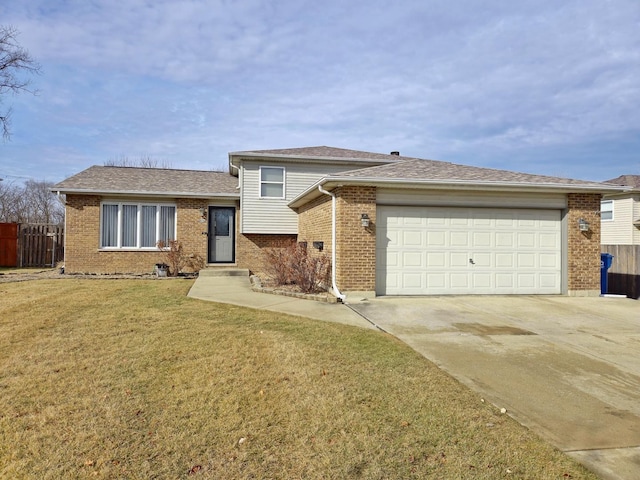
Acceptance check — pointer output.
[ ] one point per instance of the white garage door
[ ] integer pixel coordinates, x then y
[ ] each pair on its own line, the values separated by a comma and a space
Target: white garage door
442, 250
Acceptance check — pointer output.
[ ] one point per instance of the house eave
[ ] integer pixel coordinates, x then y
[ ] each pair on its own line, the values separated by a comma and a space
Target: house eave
329, 183
140, 193
235, 158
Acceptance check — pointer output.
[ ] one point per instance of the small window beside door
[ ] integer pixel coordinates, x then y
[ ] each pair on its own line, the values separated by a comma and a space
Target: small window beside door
271, 182
606, 210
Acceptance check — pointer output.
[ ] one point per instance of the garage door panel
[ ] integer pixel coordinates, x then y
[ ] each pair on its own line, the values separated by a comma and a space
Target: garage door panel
412, 259
526, 240
482, 239
412, 238
436, 259
505, 239
526, 260
548, 281
412, 280
427, 250
526, 280
549, 260
459, 259
549, 240
436, 239
436, 280
459, 239
504, 280
505, 260
459, 281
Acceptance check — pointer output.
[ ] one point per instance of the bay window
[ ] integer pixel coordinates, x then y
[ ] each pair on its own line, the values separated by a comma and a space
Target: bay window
130, 225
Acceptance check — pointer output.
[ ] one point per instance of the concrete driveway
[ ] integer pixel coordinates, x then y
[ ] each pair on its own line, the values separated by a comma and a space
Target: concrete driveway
568, 368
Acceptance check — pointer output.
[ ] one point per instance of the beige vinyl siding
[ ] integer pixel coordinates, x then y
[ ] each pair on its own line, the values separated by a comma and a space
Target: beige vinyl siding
636, 216
618, 231
272, 215
388, 196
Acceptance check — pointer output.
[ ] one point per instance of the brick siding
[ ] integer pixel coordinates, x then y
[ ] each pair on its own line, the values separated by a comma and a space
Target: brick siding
250, 253
82, 239
314, 224
355, 245
584, 247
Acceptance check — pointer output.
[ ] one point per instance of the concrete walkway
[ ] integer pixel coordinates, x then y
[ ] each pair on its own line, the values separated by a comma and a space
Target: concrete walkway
236, 290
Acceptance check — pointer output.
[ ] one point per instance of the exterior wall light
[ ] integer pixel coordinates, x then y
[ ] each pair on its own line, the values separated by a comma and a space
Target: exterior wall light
203, 215
583, 225
364, 220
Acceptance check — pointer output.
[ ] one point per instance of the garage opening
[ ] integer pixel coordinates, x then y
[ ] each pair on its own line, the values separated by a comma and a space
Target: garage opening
462, 251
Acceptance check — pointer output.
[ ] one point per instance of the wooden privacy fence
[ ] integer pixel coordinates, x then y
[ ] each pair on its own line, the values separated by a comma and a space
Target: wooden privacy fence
9, 244
40, 245
624, 275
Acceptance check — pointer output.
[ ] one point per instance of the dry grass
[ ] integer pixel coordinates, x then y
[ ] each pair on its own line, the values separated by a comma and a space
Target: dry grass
131, 379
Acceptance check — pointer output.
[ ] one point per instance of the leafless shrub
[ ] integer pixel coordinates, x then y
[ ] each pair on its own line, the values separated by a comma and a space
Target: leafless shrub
292, 265
178, 260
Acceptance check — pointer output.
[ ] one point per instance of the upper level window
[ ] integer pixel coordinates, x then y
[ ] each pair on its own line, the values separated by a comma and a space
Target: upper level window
606, 210
271, 182
136, 225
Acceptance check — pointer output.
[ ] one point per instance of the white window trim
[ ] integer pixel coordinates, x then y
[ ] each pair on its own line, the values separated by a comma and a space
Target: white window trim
139, 205
609, 202
262, 182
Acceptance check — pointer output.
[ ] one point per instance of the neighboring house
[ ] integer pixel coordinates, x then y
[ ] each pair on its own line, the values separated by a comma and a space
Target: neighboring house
620, 225
393, 225
620, 213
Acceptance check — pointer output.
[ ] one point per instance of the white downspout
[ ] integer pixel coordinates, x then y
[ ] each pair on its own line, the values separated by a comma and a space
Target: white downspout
333, 244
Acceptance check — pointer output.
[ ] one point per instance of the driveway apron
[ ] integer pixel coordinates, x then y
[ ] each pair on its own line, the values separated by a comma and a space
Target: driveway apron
566, 367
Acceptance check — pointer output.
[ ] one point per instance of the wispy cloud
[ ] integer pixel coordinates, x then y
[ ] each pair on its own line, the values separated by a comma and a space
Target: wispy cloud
490, 84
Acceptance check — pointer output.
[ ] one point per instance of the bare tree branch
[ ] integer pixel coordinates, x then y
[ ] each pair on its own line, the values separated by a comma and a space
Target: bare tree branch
14, 61
32, 202
145, 161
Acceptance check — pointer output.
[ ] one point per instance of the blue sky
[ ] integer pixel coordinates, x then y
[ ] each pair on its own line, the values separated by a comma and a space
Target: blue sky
548, 87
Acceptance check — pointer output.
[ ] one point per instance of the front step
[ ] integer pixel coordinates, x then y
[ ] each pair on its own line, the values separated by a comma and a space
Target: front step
224, 272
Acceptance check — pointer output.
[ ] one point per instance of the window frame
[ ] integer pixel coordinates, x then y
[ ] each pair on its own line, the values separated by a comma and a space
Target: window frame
119, 218
270, 182
603, 210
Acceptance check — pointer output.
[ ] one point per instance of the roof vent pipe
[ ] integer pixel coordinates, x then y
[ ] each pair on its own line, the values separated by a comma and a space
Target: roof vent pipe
397, 154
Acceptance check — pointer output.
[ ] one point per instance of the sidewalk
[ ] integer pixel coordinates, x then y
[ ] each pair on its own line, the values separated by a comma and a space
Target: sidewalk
236, 290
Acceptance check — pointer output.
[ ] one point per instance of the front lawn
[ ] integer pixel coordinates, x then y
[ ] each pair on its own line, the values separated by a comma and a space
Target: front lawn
132, 379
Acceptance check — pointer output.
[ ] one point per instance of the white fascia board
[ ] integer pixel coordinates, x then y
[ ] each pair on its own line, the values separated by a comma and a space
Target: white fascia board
135, 193
235, 158
334, 181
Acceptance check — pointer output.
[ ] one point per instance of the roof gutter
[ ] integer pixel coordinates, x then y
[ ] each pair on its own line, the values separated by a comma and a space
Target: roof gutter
137, 193
336, 291
441, 184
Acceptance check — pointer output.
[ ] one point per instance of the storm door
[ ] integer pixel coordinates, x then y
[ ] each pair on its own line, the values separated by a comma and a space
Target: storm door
221, 234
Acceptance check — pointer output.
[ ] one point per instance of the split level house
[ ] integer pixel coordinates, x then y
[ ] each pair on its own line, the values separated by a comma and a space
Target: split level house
392, 225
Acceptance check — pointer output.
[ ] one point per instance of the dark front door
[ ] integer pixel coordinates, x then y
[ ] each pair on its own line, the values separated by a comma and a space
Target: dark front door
221, 234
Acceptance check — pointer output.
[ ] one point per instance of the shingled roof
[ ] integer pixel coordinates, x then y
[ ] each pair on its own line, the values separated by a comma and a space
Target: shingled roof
417, 173
150, 181
322, 153
626, 180
432, 170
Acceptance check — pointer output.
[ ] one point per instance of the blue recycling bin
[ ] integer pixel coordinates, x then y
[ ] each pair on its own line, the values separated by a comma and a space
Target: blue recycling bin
606, 259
